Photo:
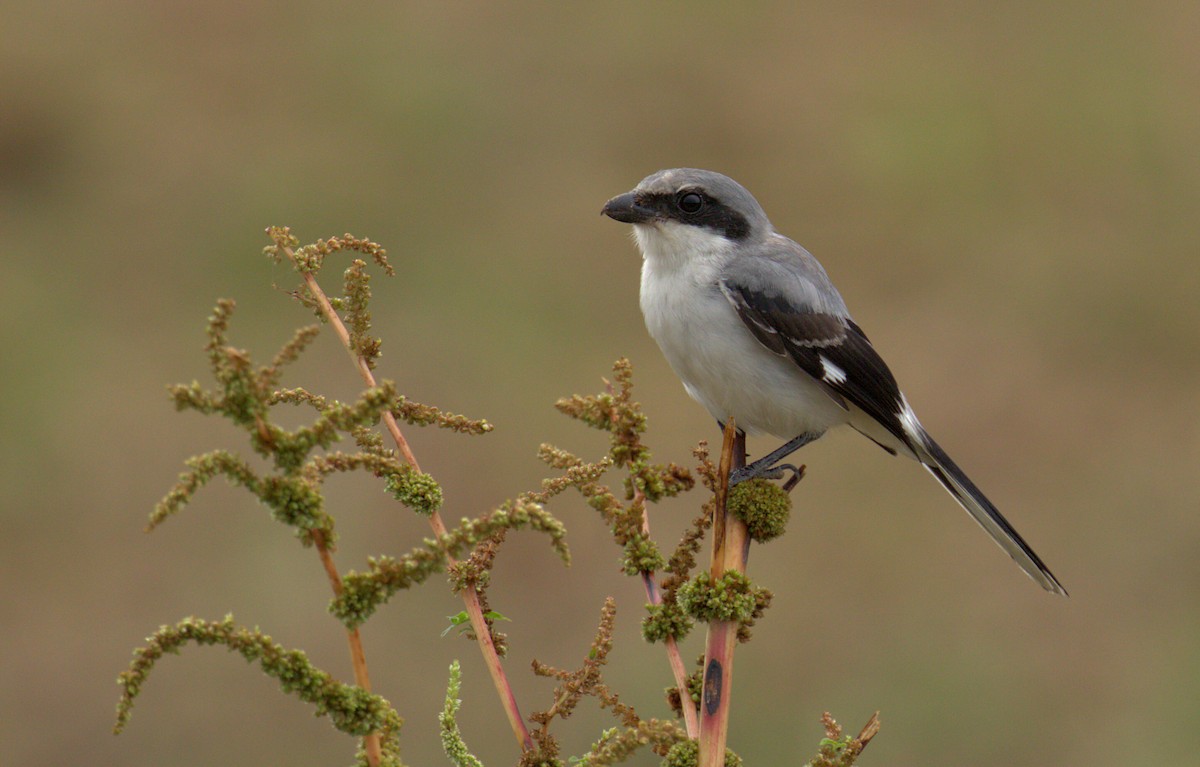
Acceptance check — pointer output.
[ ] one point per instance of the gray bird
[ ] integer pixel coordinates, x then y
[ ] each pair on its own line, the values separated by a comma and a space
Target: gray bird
750, 322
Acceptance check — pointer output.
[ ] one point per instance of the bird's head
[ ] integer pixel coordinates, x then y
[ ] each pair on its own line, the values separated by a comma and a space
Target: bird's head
686, 211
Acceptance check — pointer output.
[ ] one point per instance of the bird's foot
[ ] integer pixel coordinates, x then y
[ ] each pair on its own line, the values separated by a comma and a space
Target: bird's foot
766, 471
769, 466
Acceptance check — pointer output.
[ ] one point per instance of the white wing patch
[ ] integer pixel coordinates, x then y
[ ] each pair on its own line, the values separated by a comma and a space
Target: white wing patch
908, 420
831, 373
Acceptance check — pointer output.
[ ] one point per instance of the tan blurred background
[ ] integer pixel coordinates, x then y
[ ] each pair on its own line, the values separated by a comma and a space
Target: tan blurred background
1007, 197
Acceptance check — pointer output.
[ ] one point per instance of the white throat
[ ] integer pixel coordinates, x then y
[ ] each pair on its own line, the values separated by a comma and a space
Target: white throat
668, 246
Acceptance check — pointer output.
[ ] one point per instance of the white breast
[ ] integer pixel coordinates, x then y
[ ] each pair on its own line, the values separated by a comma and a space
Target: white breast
722, 365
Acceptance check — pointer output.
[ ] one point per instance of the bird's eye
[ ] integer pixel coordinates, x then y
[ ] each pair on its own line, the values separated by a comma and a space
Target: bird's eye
691, 202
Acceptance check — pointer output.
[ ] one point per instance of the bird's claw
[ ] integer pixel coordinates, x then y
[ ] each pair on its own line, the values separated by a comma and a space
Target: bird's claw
778, 471
792, 481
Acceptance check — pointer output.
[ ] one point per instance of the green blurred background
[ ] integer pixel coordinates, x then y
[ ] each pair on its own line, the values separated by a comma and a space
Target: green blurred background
1007, 197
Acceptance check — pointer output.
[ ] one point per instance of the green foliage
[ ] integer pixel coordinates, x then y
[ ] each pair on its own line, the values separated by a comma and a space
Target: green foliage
310, 258
416, 490
426, 415
294, 501
357, 297
475, 573
641, 555
452, 741
615, 745
838, 749
583, 681
616, 412
693, 689
299, 461
363, 593
731, 598
462, 620
351, 709
293, 493
687, 754
764, 506
665, 620
620, 743
291, 483
680, 565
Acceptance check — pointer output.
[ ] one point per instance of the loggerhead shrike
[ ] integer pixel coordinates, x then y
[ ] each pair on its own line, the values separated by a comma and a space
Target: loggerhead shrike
751, 323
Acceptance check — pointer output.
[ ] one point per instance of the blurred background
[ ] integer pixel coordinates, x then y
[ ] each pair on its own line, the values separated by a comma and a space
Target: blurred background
1006, 195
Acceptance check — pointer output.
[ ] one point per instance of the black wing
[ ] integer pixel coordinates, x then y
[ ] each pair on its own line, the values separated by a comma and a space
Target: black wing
835, 352
830, 348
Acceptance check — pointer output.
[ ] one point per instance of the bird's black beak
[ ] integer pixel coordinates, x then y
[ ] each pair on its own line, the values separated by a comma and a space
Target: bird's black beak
624, 208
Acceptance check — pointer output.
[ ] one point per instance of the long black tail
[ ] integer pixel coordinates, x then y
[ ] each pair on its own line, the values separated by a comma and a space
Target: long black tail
983, 512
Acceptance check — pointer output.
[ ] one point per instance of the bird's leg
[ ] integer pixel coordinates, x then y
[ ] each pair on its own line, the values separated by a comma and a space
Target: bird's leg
768, 467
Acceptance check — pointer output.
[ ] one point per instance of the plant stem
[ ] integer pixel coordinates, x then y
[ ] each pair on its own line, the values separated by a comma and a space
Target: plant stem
730, 549
470, 595
678, 670
358, 658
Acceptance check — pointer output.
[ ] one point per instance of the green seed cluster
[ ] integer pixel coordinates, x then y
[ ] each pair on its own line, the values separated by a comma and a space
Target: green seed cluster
764, 506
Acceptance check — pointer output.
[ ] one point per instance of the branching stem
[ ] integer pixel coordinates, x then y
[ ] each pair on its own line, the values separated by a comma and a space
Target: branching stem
678, 670
470, 596
730, 549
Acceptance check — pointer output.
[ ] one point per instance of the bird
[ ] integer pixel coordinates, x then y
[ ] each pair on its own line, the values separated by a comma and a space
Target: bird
751, 323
